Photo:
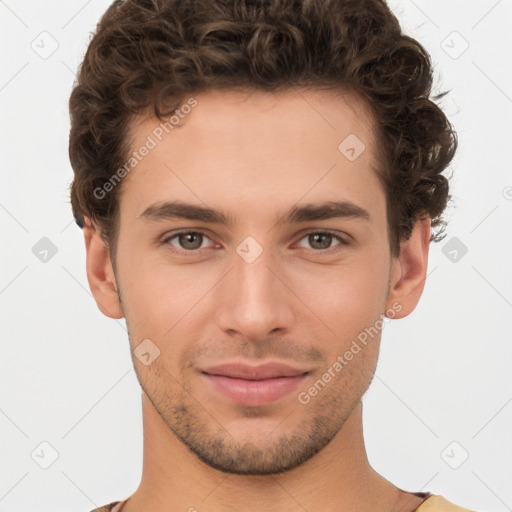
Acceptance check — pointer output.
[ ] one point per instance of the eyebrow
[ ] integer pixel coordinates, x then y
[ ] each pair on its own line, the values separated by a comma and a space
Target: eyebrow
180, 210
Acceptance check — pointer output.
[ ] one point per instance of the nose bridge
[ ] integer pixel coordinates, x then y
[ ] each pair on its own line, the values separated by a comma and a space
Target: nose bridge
254, 298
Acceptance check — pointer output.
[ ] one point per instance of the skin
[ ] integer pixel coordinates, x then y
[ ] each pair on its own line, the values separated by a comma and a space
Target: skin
300, 302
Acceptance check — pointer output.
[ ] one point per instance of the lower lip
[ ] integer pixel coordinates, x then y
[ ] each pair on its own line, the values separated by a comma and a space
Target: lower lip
254, 392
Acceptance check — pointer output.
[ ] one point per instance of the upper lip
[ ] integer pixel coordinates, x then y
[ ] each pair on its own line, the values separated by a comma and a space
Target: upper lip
263, 371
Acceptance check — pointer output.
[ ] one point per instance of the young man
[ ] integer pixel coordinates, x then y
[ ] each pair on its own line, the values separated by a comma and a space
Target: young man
258, 181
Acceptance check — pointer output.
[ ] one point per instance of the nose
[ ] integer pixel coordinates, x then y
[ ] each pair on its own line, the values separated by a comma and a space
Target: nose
254, 300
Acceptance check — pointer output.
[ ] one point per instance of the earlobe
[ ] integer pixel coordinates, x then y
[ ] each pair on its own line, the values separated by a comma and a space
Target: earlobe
409, 270
100, 273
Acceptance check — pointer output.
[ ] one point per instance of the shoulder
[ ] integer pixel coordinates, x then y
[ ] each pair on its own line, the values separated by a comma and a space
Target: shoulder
437, 503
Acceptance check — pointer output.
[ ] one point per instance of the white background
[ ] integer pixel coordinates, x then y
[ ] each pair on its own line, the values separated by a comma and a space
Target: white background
66, 373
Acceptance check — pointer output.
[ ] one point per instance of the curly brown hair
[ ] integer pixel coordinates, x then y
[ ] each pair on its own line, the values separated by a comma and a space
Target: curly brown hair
147, 55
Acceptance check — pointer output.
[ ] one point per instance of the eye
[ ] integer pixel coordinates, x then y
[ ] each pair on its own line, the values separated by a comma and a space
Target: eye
322, 240
190, 241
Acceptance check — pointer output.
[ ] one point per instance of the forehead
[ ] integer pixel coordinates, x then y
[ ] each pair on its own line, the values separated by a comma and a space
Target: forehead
219, 115
259, 148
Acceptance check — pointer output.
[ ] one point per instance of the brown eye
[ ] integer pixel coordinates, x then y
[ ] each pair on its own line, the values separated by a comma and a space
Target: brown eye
187, 241
320, 240
323, 241
190, 241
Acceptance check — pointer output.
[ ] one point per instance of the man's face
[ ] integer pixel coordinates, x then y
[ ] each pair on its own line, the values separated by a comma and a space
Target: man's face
257, 290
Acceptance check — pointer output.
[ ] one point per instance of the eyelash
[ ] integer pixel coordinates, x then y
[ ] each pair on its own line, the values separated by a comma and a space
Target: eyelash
331, 250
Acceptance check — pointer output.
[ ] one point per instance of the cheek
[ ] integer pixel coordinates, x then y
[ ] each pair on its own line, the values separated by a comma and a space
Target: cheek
336, 301
347, 298
159, 296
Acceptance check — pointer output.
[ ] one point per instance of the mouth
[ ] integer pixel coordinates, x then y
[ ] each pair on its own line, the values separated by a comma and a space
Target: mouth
254, 385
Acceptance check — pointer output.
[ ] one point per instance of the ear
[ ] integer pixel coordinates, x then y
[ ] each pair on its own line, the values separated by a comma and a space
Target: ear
409, 270
100, 272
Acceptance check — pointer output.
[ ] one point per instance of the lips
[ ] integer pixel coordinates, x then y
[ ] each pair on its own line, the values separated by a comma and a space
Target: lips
254, 385
264, 371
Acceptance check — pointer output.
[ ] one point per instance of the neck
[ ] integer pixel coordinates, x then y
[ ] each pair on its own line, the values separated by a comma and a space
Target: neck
339, 477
